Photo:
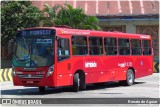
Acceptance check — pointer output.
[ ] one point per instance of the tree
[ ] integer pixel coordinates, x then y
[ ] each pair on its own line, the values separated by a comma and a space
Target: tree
16, 15
67, 15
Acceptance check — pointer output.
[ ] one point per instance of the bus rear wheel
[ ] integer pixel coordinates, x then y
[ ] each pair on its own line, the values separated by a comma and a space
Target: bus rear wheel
129, 78
41, 89
76, 82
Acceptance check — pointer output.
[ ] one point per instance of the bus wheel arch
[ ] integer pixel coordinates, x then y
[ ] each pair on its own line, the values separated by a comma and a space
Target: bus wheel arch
79, 80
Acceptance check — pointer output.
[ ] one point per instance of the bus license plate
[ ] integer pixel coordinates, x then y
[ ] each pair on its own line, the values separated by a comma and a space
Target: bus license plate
29, 82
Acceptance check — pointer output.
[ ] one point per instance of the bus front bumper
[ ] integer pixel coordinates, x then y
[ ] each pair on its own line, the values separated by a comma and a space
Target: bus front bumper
35, 82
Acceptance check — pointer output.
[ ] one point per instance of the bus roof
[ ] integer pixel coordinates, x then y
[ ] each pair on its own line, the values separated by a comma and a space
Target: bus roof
63, 30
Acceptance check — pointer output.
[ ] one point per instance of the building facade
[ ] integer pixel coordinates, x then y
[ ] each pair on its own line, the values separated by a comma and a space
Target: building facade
140, 17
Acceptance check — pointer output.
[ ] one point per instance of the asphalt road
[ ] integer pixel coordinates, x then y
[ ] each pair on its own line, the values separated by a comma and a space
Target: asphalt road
146, 87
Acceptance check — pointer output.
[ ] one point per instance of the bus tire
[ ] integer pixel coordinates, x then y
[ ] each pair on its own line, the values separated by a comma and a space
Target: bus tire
129, 78
82, 82
76, 82
41, 89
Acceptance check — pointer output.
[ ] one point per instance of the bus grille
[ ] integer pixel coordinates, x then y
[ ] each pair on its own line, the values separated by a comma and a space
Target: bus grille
29, 76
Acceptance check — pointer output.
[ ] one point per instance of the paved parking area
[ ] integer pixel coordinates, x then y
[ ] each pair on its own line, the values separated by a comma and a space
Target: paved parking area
146, 87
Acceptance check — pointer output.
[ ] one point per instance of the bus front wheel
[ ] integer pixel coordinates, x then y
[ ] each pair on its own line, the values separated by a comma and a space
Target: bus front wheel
129, 78
41, 89
76, 82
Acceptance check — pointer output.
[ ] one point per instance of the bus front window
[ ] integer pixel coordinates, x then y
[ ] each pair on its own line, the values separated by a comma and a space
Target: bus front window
33, 52
21, 55
42, 52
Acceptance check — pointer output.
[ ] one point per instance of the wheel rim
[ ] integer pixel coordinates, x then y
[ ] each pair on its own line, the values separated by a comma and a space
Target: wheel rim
130, 78
78, 82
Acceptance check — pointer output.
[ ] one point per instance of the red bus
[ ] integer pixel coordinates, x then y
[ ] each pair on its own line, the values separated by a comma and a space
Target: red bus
57, 56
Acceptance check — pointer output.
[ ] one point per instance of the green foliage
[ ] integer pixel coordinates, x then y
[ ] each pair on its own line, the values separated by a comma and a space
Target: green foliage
67, 15
16, 15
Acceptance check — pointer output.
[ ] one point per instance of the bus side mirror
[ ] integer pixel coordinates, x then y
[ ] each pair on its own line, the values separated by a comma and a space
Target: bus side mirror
11, 46
14, 47
57, 38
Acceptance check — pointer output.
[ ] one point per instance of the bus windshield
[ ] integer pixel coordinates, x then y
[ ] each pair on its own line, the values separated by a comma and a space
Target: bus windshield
34, 48
33, 52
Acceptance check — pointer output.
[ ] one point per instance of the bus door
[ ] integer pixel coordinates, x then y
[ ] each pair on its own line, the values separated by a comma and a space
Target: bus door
63, 62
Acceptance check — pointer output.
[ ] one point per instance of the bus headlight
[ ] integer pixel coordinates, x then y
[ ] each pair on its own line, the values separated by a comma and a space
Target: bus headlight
50, 71
13, 71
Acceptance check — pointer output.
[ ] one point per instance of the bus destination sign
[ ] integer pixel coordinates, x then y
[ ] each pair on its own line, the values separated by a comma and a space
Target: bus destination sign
37, 32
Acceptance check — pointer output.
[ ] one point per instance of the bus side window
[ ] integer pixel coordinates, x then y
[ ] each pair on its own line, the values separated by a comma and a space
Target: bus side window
136, 47
95, 46
79, 45
110, 46
124, 46
146, 45
63, 49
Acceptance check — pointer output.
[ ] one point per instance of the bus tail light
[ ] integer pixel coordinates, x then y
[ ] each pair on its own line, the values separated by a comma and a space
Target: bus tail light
50, 71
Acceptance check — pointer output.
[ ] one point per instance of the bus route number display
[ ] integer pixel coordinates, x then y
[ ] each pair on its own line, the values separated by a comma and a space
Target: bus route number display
41, 32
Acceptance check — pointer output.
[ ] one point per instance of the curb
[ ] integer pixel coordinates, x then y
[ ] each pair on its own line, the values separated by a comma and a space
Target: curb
6, 74
156, 67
